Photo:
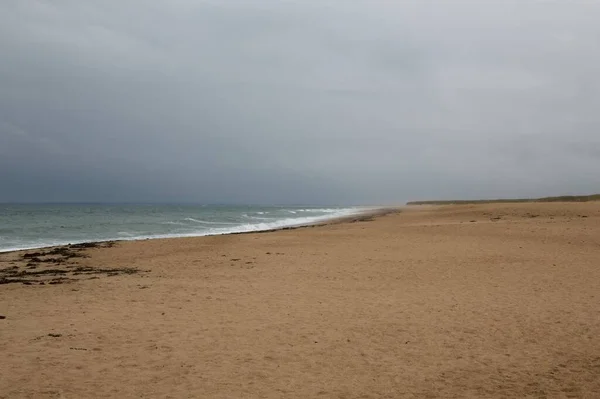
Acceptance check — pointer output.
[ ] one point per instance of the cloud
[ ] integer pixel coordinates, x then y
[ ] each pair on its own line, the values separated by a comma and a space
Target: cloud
297, 102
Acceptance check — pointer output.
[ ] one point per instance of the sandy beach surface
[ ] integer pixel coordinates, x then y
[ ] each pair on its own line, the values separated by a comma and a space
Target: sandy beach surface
481, 301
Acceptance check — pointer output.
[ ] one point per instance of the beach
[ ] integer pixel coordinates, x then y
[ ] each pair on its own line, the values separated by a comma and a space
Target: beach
456, 301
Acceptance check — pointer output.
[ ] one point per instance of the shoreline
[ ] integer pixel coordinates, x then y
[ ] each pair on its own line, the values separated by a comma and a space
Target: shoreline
358, 216
486, 301
501, 201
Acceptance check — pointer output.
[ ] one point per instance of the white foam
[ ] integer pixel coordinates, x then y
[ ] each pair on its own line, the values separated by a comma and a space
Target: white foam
125, 234
207, 222
234, 228
46, 244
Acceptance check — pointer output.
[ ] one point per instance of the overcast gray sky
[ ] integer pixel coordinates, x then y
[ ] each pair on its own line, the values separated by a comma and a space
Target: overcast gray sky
309, 101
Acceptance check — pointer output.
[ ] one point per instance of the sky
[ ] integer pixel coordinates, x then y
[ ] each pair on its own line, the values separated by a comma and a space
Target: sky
297, 102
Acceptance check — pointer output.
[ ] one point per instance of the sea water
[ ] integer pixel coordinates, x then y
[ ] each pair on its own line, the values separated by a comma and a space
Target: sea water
29, 226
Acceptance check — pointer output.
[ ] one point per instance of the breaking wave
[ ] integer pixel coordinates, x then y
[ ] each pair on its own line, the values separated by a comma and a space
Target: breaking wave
136, 223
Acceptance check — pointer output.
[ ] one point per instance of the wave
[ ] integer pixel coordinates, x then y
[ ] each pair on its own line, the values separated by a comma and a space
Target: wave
232, 228
319, 210
207, 222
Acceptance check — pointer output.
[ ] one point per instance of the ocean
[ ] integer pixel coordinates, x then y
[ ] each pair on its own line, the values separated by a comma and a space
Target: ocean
30, 226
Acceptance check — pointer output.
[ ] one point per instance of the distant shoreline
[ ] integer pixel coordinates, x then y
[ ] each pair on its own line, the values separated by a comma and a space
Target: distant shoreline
564, 198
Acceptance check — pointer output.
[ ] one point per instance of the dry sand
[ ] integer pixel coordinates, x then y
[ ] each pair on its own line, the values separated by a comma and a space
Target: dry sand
479, 301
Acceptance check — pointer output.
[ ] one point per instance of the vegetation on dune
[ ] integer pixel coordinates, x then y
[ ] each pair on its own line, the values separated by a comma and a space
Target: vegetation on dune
563, 198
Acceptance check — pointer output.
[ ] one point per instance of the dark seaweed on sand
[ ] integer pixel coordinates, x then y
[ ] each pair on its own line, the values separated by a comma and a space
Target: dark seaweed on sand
58, 265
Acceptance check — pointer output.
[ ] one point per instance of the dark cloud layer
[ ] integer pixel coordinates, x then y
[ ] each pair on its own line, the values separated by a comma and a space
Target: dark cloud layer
297, 101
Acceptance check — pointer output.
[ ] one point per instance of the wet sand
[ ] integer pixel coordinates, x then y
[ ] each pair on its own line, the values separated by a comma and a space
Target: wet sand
481, 301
